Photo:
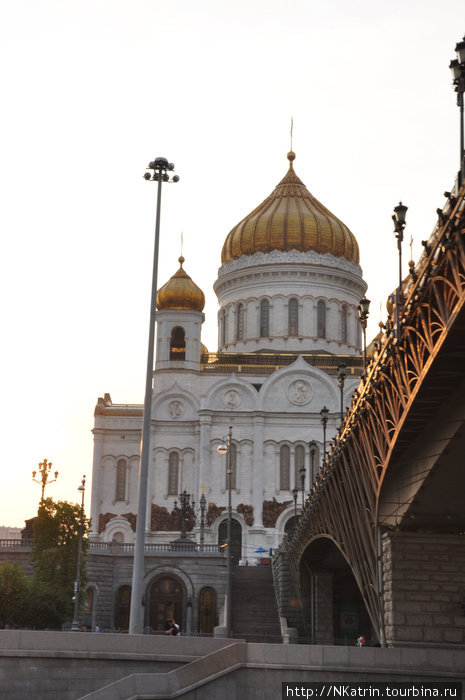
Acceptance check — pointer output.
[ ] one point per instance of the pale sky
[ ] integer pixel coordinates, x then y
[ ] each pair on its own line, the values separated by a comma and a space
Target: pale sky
93, 90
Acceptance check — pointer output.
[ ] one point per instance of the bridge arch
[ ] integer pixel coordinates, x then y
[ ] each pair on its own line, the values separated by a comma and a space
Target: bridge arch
332, 603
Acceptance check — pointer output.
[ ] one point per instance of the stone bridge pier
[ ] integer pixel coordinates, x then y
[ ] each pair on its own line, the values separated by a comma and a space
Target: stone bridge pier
423, 587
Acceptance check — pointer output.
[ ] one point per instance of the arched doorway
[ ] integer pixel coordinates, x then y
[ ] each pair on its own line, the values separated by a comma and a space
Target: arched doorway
290, 525
207, 610
236, 538
123, 606
166, 601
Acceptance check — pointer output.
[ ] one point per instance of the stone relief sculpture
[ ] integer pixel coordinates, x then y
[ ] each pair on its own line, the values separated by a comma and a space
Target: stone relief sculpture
164, 521
232, 399
104, 519
272, 510
213, 513
299, 392
175, 409
247, 512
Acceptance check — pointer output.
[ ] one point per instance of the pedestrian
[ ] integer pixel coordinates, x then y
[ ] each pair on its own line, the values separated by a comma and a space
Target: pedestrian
173, 627
361, 641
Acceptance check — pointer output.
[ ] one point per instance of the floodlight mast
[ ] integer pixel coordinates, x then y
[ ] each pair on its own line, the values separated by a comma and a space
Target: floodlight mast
160, 166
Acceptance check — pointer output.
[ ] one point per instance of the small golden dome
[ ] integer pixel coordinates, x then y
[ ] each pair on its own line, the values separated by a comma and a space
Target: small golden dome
180, 292
290, 219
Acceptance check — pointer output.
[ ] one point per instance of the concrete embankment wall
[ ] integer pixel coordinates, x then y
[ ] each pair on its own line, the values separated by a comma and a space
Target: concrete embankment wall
68, 665
72, 665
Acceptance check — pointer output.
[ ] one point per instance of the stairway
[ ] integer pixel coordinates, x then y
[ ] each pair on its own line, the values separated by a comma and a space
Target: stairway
254, 609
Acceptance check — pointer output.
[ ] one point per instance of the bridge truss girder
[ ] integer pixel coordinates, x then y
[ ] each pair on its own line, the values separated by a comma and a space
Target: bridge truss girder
417, 365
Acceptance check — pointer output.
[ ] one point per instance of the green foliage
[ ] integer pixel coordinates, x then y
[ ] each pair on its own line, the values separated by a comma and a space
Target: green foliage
55, 551
14, 595
46, 600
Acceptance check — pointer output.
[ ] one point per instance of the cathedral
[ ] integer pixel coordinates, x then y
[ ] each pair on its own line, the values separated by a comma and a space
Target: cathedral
289, 358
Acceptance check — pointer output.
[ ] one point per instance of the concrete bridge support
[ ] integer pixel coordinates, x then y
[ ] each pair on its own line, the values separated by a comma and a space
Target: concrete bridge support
424, 588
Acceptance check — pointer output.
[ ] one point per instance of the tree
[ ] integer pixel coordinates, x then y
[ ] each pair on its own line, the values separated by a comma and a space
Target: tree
57, 529
14, 595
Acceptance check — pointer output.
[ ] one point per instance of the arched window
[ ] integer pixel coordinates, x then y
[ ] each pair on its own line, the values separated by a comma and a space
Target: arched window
233, 467
178, 344
344, 324
293, 318
121, 469
264, 318
123, 606
299, 463
240, 322
284, 468
173, 472
223, 328
321, 319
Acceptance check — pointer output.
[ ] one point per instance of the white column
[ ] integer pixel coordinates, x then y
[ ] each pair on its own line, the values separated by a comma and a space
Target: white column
150, 480
96, 480
258, 470
204, 455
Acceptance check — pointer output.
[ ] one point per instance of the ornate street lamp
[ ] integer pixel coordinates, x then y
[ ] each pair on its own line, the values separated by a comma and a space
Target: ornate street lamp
324, 420
341, 377
203, 505
457, 67
363, 313
186, 505
161, 169
302, 471
295, 491
312, 445
398, 218
226, 449
77, 582
44, 469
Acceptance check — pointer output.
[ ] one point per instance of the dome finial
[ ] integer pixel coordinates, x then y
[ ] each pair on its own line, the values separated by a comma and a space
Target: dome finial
291, 154
181, 260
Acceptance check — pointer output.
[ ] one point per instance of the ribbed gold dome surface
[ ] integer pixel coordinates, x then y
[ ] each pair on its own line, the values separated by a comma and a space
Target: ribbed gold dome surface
180, 292
290, 219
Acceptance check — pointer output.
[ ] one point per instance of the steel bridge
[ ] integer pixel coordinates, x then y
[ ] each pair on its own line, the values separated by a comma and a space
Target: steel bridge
389, 502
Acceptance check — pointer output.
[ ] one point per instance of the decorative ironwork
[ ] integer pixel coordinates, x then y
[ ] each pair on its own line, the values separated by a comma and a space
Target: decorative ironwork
344, 503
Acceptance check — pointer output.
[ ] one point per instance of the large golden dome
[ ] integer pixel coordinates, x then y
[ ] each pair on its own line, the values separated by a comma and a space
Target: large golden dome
290, 219
180, 292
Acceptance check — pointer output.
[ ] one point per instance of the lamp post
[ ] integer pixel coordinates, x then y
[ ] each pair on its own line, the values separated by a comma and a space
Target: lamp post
341, 377
161, 168
77, 583
44, 469
295, 491
363, 313
302, 471
203, 505
186, 504
398, 218
457, 67
312, 446
324, 420
226, 449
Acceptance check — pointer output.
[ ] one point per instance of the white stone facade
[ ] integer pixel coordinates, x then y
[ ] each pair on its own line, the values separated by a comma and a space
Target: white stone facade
276, 369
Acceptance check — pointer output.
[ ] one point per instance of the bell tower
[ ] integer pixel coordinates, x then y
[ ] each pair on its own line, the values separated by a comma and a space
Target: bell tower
179, 321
